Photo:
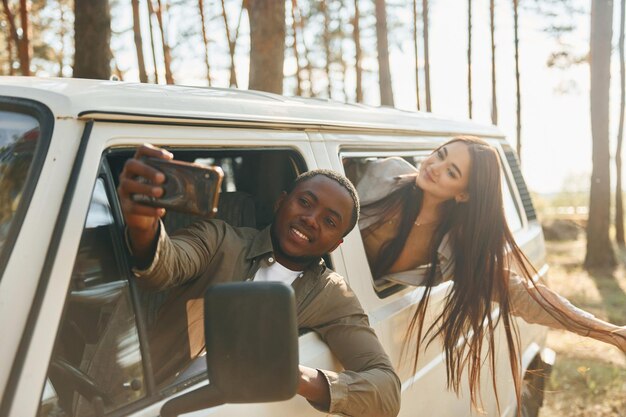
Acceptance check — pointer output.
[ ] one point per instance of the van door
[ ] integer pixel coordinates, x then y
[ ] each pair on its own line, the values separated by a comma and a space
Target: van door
390, 305
33, 175
89, 352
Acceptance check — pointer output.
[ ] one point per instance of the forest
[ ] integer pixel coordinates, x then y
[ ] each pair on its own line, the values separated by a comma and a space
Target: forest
331, 49
348, 51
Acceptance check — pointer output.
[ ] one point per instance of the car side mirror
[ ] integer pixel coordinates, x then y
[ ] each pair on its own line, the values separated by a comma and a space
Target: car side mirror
251, 347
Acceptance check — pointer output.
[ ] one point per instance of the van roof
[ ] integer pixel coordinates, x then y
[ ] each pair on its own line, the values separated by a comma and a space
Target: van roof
128, 101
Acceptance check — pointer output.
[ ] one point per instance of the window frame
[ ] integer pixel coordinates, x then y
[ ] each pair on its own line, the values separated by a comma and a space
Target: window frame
45, 118
387, 288
507, 183
37, 336
122, 257
154, 394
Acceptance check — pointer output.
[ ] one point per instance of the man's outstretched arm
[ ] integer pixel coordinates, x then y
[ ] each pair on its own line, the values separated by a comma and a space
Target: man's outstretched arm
142, 222
369, 386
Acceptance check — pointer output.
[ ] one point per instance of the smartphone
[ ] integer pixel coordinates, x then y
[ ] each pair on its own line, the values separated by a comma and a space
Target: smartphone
189, 188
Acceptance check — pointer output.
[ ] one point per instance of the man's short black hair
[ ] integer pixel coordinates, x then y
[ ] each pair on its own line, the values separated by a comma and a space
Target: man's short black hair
341, 180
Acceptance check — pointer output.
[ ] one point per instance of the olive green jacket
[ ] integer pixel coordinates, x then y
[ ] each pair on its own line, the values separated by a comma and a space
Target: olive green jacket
212, 252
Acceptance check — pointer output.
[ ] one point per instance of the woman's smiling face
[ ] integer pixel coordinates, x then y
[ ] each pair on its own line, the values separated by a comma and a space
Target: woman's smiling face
445, 173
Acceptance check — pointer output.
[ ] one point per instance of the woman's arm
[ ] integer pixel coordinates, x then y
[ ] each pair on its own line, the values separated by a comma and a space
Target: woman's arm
541, 305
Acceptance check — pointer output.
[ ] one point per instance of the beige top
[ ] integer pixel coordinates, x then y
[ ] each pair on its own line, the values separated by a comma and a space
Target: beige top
415, 251
533, 303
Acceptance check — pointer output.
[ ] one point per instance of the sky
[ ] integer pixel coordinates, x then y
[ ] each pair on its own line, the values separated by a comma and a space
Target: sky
556, 132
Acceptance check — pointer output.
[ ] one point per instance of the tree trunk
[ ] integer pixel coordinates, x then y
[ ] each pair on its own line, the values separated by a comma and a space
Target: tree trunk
61, 54
356, 34
167, 57
619, 206
518, 94
267, 45
92, 29
326, 42
599, 250
417, 67
494, 101
426, 55
307, 55
344, 70
9, 41
143, 77
294, 28
382, 45
154, 59
231, 47
116, 68
205, 41
24, 46
233, 72
22, 53
469, 57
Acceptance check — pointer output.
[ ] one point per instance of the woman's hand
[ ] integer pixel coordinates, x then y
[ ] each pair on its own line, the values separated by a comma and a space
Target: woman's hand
619, 338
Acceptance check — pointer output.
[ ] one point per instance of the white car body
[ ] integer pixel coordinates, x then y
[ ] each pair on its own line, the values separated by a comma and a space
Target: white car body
91, 117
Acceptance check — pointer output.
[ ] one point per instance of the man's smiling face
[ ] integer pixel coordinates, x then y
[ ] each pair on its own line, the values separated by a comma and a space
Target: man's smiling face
311, 221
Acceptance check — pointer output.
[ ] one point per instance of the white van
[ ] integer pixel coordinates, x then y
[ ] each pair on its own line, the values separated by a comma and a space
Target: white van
69, 309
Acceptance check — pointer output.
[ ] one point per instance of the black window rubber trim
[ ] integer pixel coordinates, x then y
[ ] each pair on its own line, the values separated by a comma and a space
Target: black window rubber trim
123, 256
20, 357
46, 125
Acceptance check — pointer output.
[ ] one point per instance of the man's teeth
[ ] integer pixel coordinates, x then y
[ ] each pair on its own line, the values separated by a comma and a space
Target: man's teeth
301, 235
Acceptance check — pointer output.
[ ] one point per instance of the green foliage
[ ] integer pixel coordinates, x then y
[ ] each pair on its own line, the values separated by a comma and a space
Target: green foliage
589, 378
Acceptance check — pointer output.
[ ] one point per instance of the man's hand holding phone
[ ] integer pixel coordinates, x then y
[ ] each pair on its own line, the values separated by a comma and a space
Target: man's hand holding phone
141, 220
188, 188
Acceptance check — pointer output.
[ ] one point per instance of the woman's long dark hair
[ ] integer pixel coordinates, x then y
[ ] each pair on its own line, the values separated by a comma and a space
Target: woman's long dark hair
484, 252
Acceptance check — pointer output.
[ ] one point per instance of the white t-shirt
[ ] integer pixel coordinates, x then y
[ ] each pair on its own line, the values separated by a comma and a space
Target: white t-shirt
276, 272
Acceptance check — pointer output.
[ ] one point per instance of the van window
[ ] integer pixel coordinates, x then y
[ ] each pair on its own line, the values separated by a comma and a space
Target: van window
356, 168
96, 364
510, 208
19, 136
253, 180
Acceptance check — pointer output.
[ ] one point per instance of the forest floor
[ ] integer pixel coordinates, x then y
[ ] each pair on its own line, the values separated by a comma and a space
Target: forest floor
589, 377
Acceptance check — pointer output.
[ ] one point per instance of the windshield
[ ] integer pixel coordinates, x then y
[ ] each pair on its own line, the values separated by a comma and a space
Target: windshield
19, 135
